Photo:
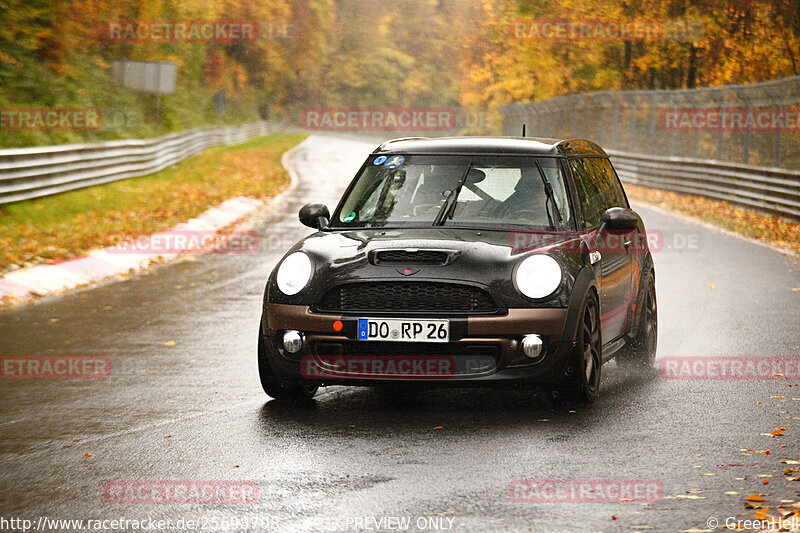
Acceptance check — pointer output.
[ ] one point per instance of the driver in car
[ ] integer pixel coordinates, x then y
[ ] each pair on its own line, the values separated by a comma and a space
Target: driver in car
526, 197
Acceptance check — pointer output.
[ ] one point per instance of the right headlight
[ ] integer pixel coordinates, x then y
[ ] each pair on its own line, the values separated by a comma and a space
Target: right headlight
294, 273
537, 276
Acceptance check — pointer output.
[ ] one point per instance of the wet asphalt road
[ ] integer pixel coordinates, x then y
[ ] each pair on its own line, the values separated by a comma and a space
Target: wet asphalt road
356, 453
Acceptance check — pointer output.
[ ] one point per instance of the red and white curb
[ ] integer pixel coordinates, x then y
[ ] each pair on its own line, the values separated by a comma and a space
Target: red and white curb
43, 280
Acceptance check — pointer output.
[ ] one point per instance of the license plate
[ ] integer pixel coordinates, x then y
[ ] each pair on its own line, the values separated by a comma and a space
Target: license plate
373, 329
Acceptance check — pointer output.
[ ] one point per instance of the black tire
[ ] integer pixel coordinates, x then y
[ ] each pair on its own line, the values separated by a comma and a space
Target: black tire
278, 388
581, 383
640, 354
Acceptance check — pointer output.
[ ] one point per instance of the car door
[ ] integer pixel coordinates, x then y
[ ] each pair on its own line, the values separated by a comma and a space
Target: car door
610, 251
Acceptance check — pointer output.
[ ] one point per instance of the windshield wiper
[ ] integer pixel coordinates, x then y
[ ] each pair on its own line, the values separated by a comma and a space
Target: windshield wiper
450, 205
548, 190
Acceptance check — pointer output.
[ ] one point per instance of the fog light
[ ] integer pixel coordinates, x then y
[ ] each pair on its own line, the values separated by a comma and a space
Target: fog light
532, 346
292, 341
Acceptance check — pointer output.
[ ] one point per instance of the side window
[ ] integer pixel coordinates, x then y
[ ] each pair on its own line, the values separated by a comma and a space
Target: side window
615, 197
590, 191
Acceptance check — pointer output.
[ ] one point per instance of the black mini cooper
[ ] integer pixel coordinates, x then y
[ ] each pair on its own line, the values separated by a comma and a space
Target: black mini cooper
465, 261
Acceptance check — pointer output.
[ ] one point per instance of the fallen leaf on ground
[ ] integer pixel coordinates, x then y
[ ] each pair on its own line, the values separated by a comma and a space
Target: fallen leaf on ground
169, 343
766, 452
754, 498
87, 454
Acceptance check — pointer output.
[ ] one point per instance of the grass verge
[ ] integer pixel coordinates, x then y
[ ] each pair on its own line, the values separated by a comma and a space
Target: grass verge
73, 223
772, 230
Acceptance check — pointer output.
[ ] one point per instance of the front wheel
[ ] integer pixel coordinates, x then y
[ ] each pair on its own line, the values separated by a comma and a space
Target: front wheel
276, 387
641, 353
582, 379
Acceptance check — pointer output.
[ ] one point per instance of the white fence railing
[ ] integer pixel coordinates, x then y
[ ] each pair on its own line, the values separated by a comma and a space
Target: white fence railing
27, 173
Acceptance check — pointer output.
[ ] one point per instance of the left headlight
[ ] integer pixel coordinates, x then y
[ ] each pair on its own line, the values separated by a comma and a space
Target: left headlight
538, 276
294, 273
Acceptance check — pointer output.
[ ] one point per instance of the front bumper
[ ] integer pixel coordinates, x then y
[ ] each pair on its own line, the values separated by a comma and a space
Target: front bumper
483, 349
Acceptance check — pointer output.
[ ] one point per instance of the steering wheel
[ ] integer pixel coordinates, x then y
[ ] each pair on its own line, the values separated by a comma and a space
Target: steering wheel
525, 214
492, 209
422, 209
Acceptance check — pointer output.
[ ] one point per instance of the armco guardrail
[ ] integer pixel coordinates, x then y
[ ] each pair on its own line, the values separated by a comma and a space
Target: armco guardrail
27, 173
772, 190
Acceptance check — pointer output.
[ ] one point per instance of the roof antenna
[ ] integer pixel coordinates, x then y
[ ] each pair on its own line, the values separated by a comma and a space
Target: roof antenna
523, 130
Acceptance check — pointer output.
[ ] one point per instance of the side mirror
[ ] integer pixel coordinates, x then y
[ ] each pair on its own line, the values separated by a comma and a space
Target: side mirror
620, 218
315, 215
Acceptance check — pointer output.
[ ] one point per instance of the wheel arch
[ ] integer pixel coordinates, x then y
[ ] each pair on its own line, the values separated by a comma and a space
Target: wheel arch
585, 284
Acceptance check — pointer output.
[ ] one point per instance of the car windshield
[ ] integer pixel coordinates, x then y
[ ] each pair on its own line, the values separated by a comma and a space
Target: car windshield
474, 191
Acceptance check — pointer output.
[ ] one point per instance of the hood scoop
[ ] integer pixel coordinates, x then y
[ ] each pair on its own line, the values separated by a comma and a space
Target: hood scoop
415, 256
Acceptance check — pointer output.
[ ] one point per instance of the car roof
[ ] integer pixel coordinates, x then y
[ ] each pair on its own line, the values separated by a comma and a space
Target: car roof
491, 145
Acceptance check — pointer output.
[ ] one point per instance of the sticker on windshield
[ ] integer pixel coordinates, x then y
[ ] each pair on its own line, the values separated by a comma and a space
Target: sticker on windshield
349, 217
394, 162
381, 159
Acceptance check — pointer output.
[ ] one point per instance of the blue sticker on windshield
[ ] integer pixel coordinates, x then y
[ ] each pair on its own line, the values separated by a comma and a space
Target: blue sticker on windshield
381, 159
394, 162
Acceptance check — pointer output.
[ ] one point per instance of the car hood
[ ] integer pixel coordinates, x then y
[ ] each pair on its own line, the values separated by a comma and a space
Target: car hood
479, 257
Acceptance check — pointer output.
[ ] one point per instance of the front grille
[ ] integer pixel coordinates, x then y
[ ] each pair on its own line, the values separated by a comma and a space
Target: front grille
410, 296
428, 257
